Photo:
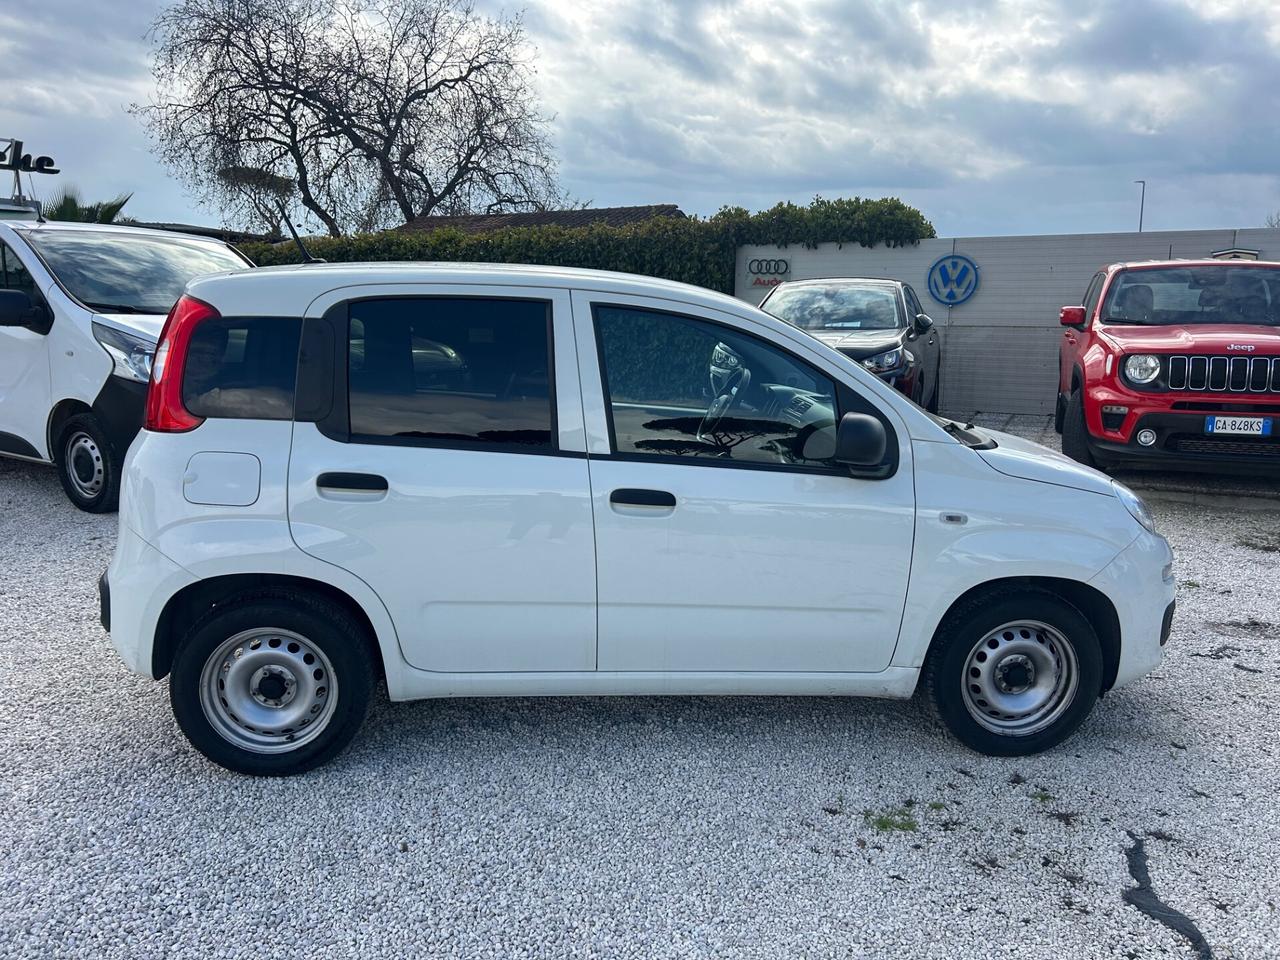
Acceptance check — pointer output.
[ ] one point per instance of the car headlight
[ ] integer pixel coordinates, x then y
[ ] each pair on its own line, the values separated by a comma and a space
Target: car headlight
132, 355
1142, 367
884, 362
1133, 503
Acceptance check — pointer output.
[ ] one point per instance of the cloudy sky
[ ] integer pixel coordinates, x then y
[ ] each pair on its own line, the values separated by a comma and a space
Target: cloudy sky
993, 117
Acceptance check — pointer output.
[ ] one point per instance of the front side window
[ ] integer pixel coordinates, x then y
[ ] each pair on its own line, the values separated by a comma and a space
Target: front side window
119, 272
687, 388
1163, 296
452, 371
837, 306
1091, 295
13, 275
242, 368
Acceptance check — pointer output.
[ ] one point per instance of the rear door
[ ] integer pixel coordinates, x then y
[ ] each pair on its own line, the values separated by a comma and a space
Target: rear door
448, 471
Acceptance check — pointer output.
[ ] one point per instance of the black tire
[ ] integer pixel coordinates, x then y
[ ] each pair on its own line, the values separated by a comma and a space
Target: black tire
947, 668
1075, 434
88, 464
1059, 414
327, 628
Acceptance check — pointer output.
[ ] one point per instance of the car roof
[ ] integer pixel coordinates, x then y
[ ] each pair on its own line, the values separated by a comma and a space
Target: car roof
61, 226
300, 283
831, 280
1203, 262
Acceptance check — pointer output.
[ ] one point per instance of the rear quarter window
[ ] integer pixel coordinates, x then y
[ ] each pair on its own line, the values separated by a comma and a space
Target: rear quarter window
242, 368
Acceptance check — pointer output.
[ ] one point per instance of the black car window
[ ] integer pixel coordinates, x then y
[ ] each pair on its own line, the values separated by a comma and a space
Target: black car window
242, 368
451, 371
837, 306
14, 275
1091, 295
686, 388
913, 303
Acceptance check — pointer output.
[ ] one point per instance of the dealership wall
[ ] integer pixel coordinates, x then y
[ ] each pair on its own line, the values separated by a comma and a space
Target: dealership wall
1001, 345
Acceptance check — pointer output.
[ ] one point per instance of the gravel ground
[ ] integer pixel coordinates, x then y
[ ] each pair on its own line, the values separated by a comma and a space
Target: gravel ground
636, 827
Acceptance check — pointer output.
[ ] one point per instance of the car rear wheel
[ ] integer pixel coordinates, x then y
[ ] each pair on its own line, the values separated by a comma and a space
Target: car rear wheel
273, 685
87, 464
1016, 673
932, 406
1075, 433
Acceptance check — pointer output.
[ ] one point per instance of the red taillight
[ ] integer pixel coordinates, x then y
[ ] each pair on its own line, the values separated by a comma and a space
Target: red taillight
165, 411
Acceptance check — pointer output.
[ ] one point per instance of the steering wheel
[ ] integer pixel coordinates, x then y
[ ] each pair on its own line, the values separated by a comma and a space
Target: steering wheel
734, 386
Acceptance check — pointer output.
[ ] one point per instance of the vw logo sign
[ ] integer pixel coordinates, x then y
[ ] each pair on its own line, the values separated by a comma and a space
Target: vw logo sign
953, 279
773, 267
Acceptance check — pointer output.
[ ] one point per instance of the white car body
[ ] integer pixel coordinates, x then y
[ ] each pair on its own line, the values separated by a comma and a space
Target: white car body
48, 377
489, 574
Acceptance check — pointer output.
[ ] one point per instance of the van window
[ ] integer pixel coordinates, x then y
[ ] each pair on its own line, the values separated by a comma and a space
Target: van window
13, 275
242, 368
681, 387
451, 371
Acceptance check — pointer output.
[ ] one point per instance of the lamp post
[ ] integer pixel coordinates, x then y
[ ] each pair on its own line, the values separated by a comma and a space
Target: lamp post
1142, 203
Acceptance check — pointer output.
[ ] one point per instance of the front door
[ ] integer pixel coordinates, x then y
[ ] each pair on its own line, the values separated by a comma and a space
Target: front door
24, 370
726, 539
450, 476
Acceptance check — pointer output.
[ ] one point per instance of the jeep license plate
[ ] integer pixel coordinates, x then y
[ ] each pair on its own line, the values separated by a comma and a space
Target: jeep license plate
1249, 426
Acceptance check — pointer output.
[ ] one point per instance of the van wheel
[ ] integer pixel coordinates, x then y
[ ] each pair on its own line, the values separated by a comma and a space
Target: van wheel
272, 685
87, 464
1016, 673
1075, 434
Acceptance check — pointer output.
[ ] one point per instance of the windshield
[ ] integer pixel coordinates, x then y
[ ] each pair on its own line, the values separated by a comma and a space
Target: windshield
844, 306
1163, 296
127, 272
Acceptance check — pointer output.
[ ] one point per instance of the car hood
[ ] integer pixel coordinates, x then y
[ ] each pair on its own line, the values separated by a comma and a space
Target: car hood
1016, 457
860, 344
1198, 338
144, 325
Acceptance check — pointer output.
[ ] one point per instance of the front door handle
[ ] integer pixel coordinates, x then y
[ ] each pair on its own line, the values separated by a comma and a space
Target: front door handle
370, 482
632, 497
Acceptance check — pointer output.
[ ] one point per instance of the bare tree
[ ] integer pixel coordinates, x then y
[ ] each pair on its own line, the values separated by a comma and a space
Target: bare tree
379, 111
1273, 220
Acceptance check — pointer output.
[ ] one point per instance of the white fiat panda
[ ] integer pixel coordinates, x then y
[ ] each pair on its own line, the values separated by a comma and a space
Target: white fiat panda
480, 480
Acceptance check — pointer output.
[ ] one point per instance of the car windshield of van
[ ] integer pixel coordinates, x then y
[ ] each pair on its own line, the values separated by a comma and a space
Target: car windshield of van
1164, 296
843, 306
128, 272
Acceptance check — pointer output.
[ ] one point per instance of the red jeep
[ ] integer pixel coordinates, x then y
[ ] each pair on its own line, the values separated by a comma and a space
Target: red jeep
1175, 363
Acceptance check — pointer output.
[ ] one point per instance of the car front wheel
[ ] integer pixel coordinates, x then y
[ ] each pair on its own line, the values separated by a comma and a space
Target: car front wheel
273, 685
1075, 432
1016, 673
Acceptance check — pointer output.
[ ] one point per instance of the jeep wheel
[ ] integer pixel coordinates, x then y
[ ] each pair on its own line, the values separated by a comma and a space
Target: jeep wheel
1075, 434
1059, 413
272, 685
1016, 673
87, 464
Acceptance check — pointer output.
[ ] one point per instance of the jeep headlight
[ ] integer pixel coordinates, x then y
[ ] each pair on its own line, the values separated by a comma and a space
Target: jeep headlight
1142, 367
132, 355
1133, 503
884, 362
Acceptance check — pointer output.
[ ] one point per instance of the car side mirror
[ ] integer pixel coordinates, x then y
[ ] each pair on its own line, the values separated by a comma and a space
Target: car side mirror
18, 310
1072, 317
923, 322
860, 441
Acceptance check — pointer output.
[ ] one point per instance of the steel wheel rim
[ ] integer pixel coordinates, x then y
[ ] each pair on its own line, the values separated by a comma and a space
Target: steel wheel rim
1020, 678
268, 690
85, 467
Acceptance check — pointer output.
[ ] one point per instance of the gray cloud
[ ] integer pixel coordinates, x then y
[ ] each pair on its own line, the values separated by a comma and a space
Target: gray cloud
1017, 115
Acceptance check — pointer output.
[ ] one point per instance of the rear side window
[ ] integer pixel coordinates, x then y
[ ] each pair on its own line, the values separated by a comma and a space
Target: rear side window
242, 368
451, 371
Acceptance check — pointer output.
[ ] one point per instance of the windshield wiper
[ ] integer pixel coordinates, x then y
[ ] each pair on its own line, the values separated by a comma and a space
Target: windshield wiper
114, 307
1126, 320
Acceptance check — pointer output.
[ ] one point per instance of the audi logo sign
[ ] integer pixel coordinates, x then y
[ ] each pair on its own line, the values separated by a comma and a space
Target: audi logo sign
767, 272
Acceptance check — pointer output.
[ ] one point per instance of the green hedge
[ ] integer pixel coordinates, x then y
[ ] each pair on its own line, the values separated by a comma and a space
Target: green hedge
694, 251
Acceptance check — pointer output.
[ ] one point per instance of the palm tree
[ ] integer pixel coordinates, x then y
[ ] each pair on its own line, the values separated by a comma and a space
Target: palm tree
66, 205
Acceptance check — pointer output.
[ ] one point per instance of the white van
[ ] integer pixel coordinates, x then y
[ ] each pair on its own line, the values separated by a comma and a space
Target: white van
480, 480
81, 306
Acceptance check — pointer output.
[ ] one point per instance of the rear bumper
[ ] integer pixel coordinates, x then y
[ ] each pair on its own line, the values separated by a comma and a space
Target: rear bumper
134, 591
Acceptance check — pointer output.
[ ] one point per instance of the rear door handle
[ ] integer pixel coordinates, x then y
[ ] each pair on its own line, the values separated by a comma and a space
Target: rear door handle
632, 497
352, 481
